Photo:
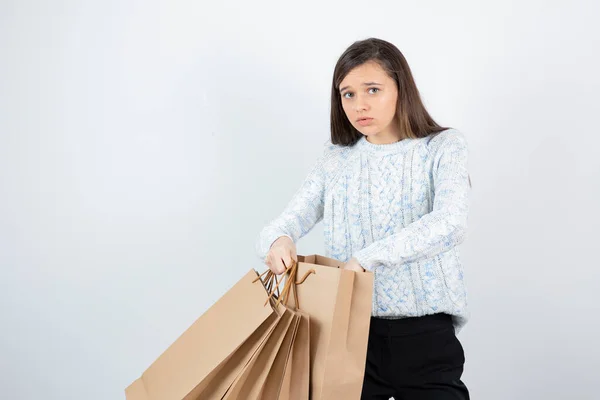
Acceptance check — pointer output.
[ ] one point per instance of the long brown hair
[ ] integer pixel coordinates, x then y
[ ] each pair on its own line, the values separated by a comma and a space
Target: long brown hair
413, 119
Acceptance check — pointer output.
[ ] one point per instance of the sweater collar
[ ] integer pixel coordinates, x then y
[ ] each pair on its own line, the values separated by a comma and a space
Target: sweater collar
364, 145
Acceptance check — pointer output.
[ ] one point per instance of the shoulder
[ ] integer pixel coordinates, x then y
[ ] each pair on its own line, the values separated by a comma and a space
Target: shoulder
447, 139
335, 152
333, 156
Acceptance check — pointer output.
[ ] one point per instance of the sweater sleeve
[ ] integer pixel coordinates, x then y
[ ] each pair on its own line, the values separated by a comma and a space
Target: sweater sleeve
441, 229
301, 214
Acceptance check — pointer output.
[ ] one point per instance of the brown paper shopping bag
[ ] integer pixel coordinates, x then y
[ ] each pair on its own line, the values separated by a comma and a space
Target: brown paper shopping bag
222, 380
185, 369
339, 303
274, 379
295, 384
218, 382
262, 378
248, 385
289, 376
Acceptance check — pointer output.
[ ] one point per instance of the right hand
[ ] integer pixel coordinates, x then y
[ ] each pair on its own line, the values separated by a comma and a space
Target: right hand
281, 254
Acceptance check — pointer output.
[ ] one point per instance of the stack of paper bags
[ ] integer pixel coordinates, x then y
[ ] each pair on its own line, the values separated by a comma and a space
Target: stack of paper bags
257, 342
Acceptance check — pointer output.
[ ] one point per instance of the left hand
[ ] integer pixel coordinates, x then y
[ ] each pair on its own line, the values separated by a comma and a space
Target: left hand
353, 265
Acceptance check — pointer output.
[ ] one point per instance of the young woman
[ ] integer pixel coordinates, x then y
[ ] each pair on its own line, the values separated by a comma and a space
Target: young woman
392, 189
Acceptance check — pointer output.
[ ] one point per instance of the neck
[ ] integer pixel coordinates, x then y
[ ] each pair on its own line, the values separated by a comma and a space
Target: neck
388, 136
384, 138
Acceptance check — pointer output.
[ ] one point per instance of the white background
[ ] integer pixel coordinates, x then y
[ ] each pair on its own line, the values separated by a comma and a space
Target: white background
144, 144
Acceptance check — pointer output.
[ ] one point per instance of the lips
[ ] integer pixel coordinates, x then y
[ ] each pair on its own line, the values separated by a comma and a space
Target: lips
364, 121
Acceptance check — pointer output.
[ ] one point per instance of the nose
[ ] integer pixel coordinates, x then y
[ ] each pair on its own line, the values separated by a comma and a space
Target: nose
361, 104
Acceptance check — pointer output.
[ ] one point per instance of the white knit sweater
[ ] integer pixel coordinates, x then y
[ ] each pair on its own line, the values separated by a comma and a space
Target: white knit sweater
401, 209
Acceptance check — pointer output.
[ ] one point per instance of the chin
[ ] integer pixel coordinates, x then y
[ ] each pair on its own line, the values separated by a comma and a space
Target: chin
369, 131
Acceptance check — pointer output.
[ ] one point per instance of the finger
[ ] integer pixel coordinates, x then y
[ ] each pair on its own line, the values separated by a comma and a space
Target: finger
287, 261
278, 259
281, 258
278, 266
272, 266
275, 269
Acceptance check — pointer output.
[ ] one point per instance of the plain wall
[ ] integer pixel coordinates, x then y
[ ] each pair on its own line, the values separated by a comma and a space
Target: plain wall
143, 145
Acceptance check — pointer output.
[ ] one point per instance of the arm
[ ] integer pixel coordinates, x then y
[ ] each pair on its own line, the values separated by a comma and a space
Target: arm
301, 214
441, 229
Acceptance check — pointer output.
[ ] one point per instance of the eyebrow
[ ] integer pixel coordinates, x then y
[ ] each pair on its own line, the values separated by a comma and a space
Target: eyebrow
364, 84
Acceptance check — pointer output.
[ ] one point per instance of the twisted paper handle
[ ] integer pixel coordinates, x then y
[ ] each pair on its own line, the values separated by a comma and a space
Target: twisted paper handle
290, 284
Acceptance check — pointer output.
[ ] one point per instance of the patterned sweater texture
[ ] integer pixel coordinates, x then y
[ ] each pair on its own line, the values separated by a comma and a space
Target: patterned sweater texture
400, 209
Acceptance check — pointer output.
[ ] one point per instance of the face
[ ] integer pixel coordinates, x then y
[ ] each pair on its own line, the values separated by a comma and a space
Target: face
369, 99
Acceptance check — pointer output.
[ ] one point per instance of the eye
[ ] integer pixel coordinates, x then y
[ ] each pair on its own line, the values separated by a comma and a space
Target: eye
347, 95
373, 90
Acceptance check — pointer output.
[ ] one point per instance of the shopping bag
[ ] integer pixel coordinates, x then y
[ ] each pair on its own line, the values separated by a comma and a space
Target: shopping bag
248, 384
184, 370
295, 384
222, 379
291, 371
218, 382
274, 379
339, 303
262, 377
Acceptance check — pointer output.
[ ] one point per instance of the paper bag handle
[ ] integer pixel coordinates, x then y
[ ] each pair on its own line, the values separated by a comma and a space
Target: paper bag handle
268, 282
290, 285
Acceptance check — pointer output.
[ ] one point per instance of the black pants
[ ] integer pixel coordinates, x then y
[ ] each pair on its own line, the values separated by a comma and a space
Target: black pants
414, 359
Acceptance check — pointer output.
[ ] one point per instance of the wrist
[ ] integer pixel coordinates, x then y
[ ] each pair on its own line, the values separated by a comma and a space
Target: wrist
281, 239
